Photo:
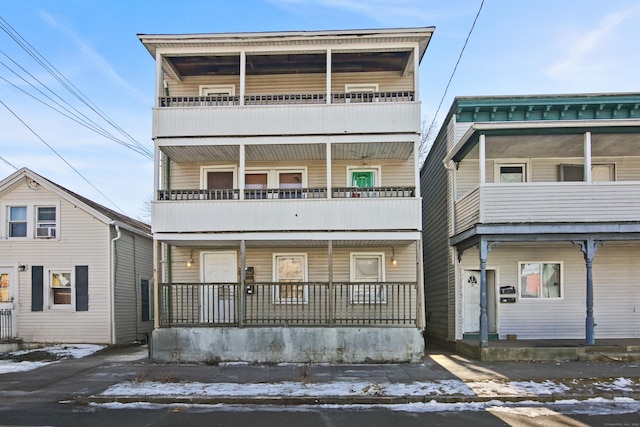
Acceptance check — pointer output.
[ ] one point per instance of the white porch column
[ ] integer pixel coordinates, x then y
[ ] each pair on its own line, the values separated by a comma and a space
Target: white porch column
241, 171
482, 159
156, 173
243, 75
157, 248
328, 76
159, 79
329, 192
416, 166
416, 64
587, 157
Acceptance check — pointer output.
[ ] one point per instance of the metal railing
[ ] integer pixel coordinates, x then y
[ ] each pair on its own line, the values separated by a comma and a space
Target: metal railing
288, 304
287, 193
6, 326
381, 192
286, 99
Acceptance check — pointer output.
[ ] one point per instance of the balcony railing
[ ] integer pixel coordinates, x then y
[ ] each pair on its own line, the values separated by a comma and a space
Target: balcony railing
287, 193
288, 304
285, 99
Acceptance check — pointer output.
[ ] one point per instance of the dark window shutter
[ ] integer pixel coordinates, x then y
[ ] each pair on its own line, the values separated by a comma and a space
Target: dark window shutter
144, 299
82, 288
37, 288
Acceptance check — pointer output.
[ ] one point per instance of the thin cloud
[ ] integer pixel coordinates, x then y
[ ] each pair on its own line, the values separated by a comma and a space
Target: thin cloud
93, 57
384, 11
588, 52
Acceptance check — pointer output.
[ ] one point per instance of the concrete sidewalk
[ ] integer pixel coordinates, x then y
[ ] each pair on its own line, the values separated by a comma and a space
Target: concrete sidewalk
125, 375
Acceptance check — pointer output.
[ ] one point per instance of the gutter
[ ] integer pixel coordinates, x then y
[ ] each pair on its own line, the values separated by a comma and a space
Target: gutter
112, 268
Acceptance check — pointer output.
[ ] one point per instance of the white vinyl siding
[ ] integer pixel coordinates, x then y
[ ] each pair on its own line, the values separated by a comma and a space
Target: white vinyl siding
85, 242
615, 270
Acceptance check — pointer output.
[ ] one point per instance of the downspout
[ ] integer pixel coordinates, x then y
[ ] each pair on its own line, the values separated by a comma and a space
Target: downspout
112, 297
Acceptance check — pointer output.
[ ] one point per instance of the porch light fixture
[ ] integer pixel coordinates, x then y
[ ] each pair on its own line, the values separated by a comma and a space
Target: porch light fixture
394, 261
22, 267
190, 260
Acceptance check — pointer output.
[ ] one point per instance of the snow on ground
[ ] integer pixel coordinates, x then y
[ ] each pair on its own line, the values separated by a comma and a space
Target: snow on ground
60, 351
289, 388
488, 388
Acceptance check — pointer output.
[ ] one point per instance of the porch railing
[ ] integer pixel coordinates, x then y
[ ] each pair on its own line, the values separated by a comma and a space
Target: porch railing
286, 99
287, 193
288, 304
6, 327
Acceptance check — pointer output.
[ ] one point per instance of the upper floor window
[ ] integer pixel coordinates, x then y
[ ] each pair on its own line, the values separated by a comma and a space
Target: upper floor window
599, 172
217, 90
45, 222
17, 221
511, 173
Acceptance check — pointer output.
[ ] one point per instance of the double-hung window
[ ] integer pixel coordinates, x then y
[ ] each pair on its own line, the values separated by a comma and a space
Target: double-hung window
61, 288
17, 221
511, 173
290, 271
367, 270
45, 222
540, 280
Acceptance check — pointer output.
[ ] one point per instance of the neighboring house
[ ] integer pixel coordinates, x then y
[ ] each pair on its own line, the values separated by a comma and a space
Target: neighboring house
71, 270
286, 219
532, 219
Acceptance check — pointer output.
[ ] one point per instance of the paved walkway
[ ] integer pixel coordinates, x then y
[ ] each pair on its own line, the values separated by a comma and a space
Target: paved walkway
125, 375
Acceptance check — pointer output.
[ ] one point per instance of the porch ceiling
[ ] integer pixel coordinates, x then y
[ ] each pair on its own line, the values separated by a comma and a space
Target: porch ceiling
289, 152
563, 145
290, 243
289, 63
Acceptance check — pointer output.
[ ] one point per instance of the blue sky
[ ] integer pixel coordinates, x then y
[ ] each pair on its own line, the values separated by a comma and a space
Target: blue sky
517, 47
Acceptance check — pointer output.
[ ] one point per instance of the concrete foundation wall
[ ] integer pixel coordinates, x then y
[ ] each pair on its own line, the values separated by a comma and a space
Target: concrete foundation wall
275, 345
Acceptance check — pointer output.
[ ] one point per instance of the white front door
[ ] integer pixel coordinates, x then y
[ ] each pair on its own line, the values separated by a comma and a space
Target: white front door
8, 291
471, 302
220, 275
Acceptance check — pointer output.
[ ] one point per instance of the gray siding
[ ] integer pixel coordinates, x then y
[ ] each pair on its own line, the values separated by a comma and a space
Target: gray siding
133, 261
434, 183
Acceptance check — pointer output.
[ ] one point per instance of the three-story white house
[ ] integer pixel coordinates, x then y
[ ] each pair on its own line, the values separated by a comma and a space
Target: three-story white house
532, 219
286, 216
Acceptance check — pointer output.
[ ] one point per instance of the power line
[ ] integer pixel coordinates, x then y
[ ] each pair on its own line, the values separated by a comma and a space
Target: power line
60, 156
53, 71
435, 116
7, 161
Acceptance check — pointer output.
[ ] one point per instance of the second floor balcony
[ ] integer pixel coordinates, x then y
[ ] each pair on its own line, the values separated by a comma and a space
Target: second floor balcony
304, 209
286, 114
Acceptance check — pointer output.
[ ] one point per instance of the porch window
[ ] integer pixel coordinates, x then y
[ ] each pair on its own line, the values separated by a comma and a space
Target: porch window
4, 288
367, 270
45, 222
540, 280
61, 288
290, 272
511, 173
365, 179
17, 221
599, 172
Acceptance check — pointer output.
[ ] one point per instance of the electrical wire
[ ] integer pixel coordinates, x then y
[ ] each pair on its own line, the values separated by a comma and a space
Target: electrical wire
53, 71
423, 147
60, 156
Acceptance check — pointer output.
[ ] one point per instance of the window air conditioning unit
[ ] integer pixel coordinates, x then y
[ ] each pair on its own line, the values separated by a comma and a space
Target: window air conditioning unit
45, 232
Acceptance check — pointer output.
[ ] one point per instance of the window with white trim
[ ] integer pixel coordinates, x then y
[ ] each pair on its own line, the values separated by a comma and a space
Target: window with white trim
45, 222
290, 272
511, 173
367, 270
540, 280
217, 90
61, 288
599, 172
17, 226
361, 92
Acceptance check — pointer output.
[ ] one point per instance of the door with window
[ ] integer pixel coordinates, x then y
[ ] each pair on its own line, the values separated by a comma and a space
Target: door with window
8, 293
221, 183
218, 296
